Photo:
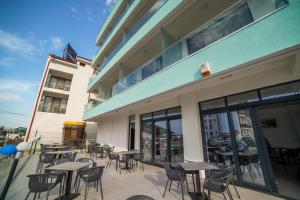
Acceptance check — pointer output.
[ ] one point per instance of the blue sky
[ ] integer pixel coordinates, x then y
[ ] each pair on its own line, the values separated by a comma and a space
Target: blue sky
29, 31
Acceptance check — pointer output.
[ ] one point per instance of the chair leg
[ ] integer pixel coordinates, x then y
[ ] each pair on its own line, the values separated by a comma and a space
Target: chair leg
34, 196
166, 188
229, 193
27, 195
101, 189
47, 195
208, 194
203, 194
181, 183
86, 191
232, 182
170, 186
224, 196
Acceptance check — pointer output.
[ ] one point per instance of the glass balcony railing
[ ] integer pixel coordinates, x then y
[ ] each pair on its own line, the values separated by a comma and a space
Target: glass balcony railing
231, 20
134, 29
116, 23
226, 23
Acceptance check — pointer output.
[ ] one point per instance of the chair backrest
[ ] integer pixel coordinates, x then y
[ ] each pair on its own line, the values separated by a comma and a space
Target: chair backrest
124, 157
46, 158
91, 162
43, 182
171, 172
92, 174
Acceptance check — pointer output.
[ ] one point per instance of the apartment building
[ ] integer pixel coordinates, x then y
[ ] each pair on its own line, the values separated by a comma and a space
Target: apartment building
202, 80
61, 100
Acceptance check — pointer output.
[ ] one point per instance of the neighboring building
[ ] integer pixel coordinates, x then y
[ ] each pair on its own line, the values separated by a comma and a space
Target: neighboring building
61, 100
153, 73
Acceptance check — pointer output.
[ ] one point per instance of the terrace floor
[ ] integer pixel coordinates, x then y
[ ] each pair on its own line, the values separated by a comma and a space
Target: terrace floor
116, 186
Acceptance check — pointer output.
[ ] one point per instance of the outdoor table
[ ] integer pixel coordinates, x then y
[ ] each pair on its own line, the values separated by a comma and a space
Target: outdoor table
58, 153
140, 197
194, 168
131, 152
101, 152
56, 148
69, 167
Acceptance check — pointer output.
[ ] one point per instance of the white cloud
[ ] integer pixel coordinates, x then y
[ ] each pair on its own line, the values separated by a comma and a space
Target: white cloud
56, 42
90, 19
7, 96
15, 43
8, 85
73, 9
109, 2
7, 61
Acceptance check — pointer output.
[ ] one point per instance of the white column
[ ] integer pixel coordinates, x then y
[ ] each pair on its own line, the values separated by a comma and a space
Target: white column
192, 139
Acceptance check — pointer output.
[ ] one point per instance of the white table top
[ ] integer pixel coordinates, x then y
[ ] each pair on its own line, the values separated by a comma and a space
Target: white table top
196, 166
58, 152
68, 166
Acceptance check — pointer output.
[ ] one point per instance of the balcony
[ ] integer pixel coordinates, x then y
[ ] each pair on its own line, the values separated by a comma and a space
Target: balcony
221, 26
232, 49
128, 35
113, 29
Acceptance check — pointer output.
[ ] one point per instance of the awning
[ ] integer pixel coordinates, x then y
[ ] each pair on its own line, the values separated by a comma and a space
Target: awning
74, 123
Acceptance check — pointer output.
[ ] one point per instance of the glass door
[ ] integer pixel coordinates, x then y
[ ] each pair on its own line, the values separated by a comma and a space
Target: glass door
160, 141
247, 150
147, 141
176, 140
231, 139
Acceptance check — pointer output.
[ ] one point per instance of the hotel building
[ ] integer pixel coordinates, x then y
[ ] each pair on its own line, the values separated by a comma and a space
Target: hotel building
187, 80
61, 99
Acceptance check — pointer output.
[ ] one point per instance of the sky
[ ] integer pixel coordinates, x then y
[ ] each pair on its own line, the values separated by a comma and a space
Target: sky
29, 31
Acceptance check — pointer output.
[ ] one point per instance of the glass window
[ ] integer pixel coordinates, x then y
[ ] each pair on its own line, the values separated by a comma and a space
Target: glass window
147, 116
132, 118
216, 103
176, 140
218, 139
159, 114
52, 82
67, 85
63, 106
280, 91
174, 111
242, 98
55, 105
47, 104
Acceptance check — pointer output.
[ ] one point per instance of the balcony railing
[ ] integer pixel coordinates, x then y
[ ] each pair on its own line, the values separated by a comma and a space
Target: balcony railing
134, 29
116, 23
231, 20
226, 23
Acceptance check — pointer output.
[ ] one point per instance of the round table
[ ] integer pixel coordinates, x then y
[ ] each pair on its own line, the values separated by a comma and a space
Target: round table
140, 197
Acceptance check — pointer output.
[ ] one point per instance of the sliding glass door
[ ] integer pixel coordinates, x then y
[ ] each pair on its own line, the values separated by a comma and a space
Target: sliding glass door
161, 139
231, 140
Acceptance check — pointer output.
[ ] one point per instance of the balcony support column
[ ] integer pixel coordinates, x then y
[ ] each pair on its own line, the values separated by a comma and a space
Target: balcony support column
166, 39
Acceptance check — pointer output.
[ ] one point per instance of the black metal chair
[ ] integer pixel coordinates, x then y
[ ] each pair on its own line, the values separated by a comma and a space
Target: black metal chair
124, 159
91, 162
92, 175
138, 158
220, 172
39, 183
70, 156
174, 174
218, 181
111, 157
44, 158
63, 173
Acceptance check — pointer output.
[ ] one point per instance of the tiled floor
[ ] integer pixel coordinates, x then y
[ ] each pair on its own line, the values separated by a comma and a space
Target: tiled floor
116, 186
